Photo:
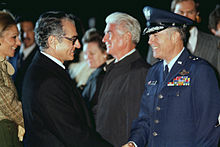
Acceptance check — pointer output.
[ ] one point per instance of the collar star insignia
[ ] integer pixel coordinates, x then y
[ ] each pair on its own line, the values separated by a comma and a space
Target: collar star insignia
184, 72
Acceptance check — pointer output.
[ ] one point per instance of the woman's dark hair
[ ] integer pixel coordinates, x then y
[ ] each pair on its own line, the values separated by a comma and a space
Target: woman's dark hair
92, 35
6, 20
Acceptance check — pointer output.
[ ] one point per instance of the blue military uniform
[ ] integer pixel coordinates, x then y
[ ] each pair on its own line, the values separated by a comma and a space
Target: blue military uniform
182, 109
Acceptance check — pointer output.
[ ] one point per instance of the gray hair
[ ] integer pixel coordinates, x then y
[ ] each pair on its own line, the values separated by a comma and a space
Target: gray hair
128, 22
50, 24
181, 31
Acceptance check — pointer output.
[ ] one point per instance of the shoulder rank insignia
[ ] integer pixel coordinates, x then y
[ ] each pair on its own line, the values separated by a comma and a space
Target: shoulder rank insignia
184, 72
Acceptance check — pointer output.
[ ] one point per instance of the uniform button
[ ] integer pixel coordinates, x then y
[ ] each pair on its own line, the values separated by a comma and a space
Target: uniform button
160, 96
155, 134
156, 121
158, 108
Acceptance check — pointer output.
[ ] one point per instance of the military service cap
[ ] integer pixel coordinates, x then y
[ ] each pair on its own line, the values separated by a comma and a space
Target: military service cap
158, 20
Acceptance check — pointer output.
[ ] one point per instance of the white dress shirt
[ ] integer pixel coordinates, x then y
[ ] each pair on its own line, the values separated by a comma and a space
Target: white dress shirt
54, 59
191, 45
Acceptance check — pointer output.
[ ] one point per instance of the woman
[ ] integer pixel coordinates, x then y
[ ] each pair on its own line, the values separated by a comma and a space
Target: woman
96, 56
10, 108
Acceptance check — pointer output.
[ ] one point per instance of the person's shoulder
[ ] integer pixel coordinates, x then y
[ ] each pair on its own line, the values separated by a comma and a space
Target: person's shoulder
208, 36
141, 63
199, 63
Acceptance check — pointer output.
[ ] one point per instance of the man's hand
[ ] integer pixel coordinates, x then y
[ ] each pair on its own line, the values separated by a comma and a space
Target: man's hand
129, 144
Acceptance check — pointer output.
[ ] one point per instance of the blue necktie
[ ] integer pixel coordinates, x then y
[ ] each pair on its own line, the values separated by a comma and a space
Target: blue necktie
165, 72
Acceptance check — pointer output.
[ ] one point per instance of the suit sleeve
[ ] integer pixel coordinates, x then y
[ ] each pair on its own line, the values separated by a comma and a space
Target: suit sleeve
206, 96
62, 115
9, 104
141, 126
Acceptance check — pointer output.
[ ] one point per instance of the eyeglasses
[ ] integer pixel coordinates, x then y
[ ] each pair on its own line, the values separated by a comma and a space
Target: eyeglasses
73, 39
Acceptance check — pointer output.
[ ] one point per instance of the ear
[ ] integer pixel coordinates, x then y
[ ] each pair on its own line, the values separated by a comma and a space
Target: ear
174, 36
52, 42
128, 36
213, 31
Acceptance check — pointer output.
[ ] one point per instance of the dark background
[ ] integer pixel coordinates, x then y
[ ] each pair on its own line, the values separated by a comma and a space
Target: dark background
99, 9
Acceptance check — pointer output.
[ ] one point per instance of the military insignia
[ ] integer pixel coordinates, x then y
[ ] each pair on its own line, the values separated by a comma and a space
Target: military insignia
147, 13
152, 83
184, 72
180, 62
180, 81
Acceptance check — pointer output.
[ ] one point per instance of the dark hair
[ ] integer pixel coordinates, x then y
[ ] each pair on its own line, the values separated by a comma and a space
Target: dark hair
20, 19
92, 35
6, 20
48, 24
214, 18
175, 2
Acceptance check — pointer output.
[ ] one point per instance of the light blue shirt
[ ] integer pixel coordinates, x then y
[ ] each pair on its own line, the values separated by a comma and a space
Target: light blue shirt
172, 62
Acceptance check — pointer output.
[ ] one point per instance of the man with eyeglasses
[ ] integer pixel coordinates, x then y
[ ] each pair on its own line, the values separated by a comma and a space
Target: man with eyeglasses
54, 112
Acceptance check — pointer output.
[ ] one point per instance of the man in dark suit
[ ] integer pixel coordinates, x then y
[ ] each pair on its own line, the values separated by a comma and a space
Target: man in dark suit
24, 55
200, 44
124, 80
55, 114
181, 102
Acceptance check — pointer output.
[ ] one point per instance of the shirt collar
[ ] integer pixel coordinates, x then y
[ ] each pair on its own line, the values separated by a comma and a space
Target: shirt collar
129, 53
172, 62
26, 51
54, 59
192, 39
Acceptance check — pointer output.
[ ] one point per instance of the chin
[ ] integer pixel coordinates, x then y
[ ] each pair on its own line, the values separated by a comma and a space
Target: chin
11, 55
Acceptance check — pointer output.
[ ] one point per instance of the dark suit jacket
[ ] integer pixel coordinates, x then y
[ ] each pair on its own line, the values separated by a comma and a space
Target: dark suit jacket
182, 110
119, 98
54, 112
19, 74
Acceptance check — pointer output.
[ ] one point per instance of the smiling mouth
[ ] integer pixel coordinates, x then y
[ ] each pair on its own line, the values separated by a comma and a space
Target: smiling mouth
154, 47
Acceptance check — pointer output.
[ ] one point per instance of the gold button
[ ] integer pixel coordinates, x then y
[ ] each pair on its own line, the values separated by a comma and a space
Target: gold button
156, 121
160, 96
158, 108
155, 134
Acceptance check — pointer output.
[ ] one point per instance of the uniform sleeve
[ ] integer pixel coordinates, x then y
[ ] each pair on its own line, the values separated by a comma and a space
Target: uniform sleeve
206, 96
9, 104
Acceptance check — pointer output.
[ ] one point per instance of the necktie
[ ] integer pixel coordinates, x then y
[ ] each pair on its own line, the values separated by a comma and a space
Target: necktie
165, 72
20, 60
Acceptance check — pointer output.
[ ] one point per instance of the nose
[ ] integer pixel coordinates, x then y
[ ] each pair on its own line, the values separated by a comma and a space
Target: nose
77, 44
104, 39
151, 39
185, 14
18, 42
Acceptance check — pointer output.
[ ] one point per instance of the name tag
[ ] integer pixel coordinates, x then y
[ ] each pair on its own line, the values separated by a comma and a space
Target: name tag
180, 81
